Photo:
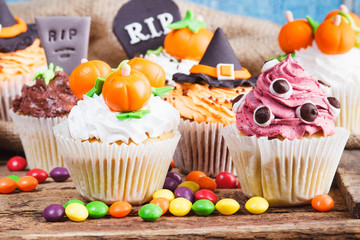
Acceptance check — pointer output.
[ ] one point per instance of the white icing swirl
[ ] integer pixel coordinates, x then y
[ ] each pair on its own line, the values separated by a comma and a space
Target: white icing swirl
91, 118
334, 70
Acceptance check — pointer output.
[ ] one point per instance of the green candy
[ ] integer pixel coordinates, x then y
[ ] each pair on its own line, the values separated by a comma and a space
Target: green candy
13, 177
203, 207
73, 201
150, 212
97, 209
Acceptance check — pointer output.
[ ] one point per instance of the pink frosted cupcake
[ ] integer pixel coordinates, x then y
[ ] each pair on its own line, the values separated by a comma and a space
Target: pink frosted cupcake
285, 146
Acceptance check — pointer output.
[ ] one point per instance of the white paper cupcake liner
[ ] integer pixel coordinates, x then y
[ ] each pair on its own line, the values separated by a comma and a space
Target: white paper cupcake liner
112, 172
286, 172
38, 140
202, 148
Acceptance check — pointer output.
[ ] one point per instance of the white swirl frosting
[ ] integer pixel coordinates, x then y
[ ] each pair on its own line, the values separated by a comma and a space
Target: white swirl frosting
91, 118
334, 70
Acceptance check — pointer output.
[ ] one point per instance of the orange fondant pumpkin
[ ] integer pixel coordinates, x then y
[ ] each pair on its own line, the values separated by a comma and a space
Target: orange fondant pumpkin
295, 34
126, 92
153, 71
185, 44
335, 36
83, 77
355, 17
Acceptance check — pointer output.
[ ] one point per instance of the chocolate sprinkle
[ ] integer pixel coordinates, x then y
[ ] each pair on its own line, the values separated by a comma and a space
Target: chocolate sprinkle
185, 92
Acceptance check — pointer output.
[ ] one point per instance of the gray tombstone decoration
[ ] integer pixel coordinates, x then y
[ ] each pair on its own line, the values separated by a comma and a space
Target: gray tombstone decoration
65, 40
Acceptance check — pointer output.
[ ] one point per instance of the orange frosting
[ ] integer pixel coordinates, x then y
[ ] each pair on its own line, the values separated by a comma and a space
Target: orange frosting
202, 103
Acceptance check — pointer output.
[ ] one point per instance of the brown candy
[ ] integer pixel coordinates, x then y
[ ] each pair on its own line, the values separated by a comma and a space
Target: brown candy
308, 112
281, 86
262, 115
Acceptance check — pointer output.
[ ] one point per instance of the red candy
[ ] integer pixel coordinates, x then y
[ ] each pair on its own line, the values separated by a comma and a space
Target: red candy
38, 173
225, 180
16, 163
206, 194
27, 183
322, 203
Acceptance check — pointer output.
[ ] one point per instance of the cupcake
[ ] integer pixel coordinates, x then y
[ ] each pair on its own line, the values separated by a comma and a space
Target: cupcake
40, 107
203, 99
119, 140
285, 145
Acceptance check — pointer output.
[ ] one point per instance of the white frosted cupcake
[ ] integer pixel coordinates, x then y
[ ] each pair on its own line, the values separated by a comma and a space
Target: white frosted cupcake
119, 151
285, 145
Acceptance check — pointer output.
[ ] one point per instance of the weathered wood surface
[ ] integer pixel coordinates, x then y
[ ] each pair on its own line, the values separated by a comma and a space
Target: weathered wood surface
20, 218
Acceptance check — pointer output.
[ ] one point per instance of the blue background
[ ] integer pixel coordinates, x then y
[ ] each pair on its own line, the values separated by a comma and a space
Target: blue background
274, 10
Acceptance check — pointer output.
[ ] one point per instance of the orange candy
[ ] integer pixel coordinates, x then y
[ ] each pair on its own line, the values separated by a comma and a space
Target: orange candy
194, 175
27, 183
172, 163
163, 203
206, 183
153, 71
120, 209
322, 203
7, 185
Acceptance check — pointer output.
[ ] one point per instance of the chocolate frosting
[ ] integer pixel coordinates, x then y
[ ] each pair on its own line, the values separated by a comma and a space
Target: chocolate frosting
40, 100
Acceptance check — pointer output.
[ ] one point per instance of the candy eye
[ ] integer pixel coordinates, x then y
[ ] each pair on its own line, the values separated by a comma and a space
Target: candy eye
236, 102
281, 87
334, 105
307, 112
269, 64
263, 116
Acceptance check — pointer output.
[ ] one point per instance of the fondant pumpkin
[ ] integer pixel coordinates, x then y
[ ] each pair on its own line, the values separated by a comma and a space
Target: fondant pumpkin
127, 90
295, 34
335, 36
153, 71
355, 17
83, 77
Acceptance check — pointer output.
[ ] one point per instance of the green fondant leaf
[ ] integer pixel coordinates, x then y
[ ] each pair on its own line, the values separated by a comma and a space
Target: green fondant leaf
120, 65
156, 51
313, 24
47, 75
136, 114
161, 92
97, 89
282, 57
188, 22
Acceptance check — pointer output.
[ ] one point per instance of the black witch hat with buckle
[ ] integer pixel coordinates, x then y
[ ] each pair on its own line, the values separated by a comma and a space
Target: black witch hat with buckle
219, 66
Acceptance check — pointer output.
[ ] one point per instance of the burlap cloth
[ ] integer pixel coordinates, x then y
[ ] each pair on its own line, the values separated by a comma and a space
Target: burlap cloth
253, 40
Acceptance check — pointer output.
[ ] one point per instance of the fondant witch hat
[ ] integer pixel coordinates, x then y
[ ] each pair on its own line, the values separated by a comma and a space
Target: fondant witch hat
219, 66
15, 33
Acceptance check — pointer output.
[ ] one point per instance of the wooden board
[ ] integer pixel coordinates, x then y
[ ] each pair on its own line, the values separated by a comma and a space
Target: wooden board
20, 218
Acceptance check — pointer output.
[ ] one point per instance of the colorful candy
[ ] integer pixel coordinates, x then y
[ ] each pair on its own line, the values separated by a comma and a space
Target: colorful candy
74, 201
190, 184
97, 209
206, 194
164, 193
194, 175
120, 209
225, 180
13, 177
322, 203
227, 206
7, 185
185, 192
256, 205
150, 212
180, 207
203, 207
38, 173
76, 212
161, 202
170, 184
16, 163
175, 176
27, 183
59, 174
206, 183
53, 213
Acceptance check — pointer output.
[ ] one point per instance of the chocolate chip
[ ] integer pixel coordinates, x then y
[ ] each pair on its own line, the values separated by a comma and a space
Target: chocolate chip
308, 112
281, 86
262, 115
238, 98
334, 102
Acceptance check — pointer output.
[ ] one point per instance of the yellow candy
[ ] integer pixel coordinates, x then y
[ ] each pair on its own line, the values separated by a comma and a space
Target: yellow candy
256, 205
180, 207
190, 184
164, 193
76, 212
227, 206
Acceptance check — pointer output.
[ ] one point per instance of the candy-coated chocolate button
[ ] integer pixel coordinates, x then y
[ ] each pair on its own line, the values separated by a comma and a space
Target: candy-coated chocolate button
59, 174
225, 180
53, 213
257, 205
175, 176
73, 201
164, 193
190, 184
120, 209
76, 212
150, 212
195, 175
322, 203
203, 207
27, 183
180, 207
161, 202
97, 209
206, 194
227, 206
38, 173
16, 163
7, 185
186, 193
13, 177
170, 184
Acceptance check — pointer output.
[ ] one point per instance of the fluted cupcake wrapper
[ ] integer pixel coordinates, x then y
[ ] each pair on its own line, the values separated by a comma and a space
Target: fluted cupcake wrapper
202, 148
38, 140
285, 172
112, 172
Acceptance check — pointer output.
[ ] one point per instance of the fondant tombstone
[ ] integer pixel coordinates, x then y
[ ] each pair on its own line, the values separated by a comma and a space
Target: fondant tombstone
65, 40
141, 25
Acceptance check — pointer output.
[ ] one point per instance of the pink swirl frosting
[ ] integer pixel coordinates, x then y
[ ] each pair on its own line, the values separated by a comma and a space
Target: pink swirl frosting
286, 122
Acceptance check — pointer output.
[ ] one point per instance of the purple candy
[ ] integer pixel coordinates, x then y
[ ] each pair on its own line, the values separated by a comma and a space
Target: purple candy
53, 213
60, 174
170, 184
175, 176
185, 192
